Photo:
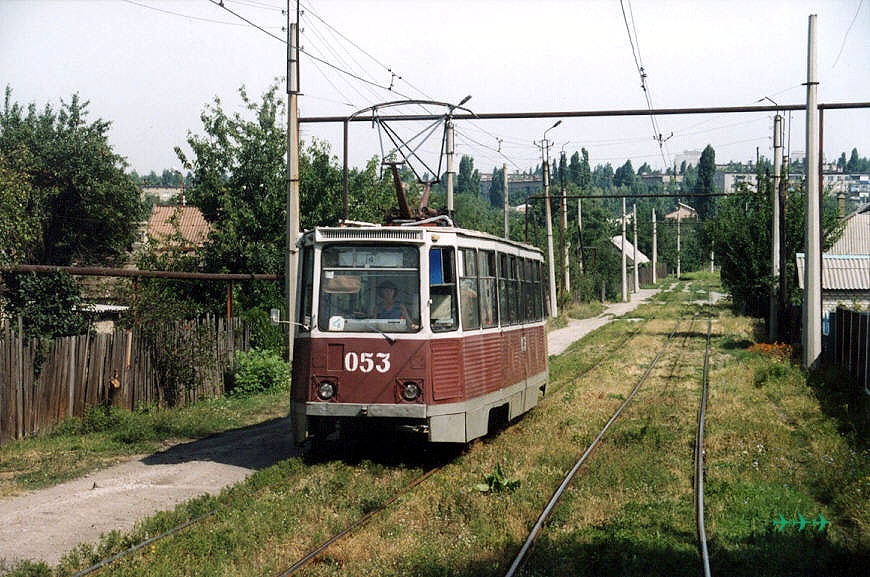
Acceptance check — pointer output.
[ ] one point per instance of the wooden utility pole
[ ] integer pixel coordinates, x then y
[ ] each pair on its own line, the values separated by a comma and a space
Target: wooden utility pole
679, 214
580, 233
812, 310
291, 261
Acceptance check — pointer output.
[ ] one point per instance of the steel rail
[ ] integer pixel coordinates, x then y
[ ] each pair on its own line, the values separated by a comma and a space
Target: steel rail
589, 113
536, 529
312, 555
699, 454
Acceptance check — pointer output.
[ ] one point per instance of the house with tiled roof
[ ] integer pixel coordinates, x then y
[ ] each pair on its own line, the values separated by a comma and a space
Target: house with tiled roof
173, 226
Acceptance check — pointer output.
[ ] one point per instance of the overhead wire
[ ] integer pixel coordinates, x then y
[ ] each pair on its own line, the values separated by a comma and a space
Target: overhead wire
188, 16
846, 35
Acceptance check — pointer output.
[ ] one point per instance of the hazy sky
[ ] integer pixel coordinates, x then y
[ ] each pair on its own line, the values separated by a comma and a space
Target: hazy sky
151, 72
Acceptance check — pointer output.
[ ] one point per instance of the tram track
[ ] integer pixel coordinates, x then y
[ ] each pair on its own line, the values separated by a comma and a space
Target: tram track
698, 453
365, 519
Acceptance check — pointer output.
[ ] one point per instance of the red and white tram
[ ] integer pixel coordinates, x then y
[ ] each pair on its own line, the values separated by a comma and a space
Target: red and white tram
432, 329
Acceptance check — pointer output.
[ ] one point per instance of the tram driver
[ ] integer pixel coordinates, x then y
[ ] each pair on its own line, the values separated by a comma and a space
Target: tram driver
389, 307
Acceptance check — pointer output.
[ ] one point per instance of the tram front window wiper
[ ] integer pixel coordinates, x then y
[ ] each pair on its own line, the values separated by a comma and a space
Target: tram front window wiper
390, 339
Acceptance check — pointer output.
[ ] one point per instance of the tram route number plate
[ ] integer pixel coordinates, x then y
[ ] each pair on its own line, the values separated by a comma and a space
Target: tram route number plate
367, 362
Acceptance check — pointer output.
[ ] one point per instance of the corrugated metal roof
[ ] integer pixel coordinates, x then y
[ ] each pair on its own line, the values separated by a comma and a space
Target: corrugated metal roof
629, 249
840, 272
856, 235
191, 224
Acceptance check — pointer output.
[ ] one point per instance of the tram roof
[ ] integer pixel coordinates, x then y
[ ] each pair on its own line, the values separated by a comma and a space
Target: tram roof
399, 233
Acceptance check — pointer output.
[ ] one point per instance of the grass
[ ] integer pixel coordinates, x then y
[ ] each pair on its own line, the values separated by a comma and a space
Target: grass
775, 443
105, 437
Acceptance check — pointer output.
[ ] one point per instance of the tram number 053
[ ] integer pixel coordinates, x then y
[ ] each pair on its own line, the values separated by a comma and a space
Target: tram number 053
366, 362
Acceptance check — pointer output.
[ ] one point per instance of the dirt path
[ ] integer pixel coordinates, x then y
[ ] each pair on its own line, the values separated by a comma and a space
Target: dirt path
561, 339
46, 524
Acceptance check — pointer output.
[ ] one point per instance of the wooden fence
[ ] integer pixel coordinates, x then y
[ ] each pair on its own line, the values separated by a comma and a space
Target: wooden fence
43, 382
850, 330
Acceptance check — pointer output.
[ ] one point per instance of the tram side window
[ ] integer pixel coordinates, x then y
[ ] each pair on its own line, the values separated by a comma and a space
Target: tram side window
307, 282
503, 289
469, 291
515, 289
442, 290
486, 273
539, 294
529, 283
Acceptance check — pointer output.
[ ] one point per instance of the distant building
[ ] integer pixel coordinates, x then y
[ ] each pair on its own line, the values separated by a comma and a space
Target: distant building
690, 157
163, 194
728, 181
660, 178
518, 185
683, 211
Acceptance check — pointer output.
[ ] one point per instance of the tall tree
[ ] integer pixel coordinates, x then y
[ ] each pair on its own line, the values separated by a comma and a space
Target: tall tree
854, 161
496, 187
704, 183
624, 175
468, 179
87, 207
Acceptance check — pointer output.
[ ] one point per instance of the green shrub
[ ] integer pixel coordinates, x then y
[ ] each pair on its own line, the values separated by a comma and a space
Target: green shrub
257, 371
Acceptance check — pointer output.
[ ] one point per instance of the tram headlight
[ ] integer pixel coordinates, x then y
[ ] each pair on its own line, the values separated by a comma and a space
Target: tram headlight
410, 390
326, 390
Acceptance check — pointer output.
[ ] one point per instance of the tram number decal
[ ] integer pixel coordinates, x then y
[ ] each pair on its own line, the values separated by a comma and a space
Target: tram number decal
366, 362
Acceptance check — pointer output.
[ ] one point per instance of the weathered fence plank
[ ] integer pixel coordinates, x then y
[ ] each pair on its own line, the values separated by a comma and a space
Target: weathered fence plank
41, 384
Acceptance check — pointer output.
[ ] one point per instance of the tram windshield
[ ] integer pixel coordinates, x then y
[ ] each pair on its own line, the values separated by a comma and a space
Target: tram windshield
369, 288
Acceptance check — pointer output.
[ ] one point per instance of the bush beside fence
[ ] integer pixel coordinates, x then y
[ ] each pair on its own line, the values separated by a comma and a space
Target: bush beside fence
43, 382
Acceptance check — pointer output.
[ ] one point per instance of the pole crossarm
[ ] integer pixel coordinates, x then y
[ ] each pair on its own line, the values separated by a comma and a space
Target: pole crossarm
357, 117
136, 273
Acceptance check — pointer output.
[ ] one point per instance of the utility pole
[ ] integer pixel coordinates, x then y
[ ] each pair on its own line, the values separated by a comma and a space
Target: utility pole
624, 272
812, 310
580, 233
654, 247
291, 260
634, 221
504, 185
679, 272
545, 158
566, 243
774, 244
450, 167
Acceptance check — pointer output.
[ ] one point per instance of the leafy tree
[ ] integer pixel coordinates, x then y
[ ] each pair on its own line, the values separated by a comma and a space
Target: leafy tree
49, 304
624, 175
76, 188
468, 179
602, 176
704, 183
20, 214
496, 187
841, 162
854, 161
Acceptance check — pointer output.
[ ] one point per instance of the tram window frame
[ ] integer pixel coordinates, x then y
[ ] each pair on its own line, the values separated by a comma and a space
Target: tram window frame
306, 286
503, 289
487, 294
529, 282
539, 298
515, 289
437, 290
469, 291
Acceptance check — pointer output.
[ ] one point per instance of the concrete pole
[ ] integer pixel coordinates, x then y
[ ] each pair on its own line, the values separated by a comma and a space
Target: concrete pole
566, 243
812, 309
712, 261
507, 226
654, 247
554, 311
580, 231
623, 268
679, 272
634, 221
291, 260
773, 325
450, 173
